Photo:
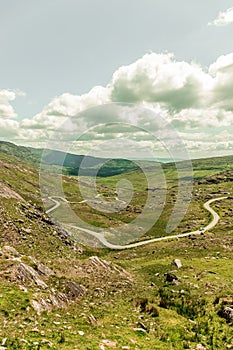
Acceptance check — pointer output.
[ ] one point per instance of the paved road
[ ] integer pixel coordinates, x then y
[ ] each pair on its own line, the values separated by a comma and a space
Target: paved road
57, 204
101, 238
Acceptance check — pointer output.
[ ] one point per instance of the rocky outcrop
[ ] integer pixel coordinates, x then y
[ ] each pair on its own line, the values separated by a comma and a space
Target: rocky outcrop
42, 303
57, 300
94, 263
40, 278
8, 193
27, 275
75, 290
42, 269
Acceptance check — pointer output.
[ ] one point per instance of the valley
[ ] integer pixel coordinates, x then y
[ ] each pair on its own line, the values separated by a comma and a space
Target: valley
62, 289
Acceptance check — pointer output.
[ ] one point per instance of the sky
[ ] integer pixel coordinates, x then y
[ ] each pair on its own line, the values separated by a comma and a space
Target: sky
61, 57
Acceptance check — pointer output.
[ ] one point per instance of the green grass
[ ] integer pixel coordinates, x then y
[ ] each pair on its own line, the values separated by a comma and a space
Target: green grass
191, 313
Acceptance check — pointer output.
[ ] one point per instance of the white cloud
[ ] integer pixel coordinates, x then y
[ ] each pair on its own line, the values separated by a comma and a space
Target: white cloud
194, 100
66, 105
159, 78
222, 64
191, 119
222, 72
224, 18
6, 110
8, 128
182, 93
70, 105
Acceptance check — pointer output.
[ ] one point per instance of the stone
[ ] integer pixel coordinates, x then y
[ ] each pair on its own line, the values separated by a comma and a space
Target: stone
26, 273
170, 277
100, 264
142, 325
140, 330
177, 263
200, 347
10, 250
4, 340
227, 313
93, 320
42, 269
76, 290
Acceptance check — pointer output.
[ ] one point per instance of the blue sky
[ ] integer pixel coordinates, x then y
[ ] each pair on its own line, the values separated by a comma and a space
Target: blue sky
53, 52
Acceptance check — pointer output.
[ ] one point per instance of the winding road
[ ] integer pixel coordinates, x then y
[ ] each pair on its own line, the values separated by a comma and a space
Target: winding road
101, 238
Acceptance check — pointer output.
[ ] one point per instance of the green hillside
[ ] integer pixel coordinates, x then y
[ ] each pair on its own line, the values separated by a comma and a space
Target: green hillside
56, 293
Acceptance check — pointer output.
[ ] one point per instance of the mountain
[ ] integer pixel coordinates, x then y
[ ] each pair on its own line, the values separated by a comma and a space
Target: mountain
56, 293
21, 152
70, 163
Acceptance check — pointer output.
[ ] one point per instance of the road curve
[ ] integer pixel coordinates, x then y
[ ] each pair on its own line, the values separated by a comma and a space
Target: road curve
102, 239
57, 204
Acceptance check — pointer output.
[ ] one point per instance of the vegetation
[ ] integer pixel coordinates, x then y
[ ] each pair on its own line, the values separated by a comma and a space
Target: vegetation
102, 299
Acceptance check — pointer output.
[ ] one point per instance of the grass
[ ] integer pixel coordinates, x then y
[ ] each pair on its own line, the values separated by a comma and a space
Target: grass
188, 313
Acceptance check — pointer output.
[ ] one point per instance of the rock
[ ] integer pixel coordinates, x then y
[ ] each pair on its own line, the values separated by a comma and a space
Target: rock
109, 343
8, 193
200, 347
42, 269
170, 277
26, 273
140, 330
8, 250
76, 290
98, 263
26, 230
177, 263
141, 303
35, 330
19, 221
23, 288
152, 310
40, 306
93, 320
142, 325
60, 300
4, 340
227, 313
48, 342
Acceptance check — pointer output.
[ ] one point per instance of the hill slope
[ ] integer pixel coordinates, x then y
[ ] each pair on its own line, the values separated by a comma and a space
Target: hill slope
57, 294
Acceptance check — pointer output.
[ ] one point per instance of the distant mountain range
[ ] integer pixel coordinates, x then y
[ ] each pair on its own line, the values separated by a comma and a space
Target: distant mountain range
71, 164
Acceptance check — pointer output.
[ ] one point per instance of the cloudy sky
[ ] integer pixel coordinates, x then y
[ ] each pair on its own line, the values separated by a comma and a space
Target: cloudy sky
62, 57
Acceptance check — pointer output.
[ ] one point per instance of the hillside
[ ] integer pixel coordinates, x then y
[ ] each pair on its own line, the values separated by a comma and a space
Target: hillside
57, 294
108, 167
70, 164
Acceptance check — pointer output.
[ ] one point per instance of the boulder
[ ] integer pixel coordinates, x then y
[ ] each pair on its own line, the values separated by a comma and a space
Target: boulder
26, 274
177, 263
227, 313
76, 290
169, 277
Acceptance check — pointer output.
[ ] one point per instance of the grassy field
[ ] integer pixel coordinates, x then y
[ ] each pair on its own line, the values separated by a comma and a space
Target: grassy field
127, 302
